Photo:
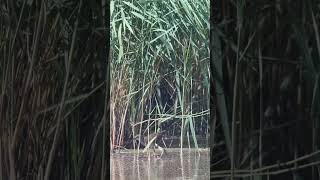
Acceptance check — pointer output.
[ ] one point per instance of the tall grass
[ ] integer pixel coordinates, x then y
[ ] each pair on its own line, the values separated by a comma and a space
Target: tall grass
159, 69
52, 79
265, 73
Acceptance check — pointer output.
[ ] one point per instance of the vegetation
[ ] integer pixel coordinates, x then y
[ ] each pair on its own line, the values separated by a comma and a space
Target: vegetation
159, 70
265, 77
52, 96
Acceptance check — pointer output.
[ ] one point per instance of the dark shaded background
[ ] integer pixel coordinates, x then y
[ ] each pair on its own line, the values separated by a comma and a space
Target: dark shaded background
265, 107
53, 104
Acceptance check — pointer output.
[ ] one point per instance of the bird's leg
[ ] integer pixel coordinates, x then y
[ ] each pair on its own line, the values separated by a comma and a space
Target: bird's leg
164, 143
154, 149
161, 149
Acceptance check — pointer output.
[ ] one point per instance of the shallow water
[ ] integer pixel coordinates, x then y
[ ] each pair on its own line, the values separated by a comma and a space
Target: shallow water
191, 164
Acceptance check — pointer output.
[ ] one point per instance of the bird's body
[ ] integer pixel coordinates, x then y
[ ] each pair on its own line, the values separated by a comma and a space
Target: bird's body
152, 141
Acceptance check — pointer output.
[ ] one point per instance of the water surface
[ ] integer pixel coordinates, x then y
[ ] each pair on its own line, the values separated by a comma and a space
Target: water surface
190, 164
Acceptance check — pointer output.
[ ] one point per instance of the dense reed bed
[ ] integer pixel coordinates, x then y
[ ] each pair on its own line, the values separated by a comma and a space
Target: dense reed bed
159, 70
53, 58
265, 77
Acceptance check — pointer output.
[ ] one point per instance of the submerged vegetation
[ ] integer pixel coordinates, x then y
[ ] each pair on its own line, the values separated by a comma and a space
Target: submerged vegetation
265, 77
52, 98
159, 71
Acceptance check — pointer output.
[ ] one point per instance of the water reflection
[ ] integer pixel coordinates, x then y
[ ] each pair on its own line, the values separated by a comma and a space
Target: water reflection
190, 164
